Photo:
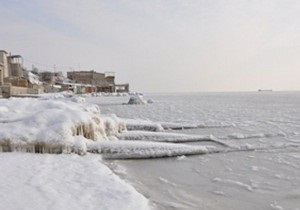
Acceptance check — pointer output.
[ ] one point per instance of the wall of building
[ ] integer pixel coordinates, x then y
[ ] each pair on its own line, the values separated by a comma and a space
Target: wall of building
84, 77
15, 70
88, 77
16, 81
47, 77
110, 80
3, 64
8, 90
122, 88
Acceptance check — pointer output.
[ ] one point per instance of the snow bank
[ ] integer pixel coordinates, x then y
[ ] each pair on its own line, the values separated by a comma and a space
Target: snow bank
33, 181
57, 125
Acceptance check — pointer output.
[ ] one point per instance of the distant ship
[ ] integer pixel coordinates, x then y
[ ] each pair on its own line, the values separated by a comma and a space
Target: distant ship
264, 90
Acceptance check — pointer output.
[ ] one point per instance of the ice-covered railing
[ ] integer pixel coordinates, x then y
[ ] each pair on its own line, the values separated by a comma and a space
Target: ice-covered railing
57, 125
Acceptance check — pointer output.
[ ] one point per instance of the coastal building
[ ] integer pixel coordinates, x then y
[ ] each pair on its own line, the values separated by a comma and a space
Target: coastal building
12, 79
3, 66
104, 82
51, 78
16, 80
10, 65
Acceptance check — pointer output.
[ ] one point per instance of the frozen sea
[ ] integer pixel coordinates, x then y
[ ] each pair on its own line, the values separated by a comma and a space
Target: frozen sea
262, 172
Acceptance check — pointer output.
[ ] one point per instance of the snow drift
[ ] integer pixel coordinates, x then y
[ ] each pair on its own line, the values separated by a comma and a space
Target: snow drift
56, 125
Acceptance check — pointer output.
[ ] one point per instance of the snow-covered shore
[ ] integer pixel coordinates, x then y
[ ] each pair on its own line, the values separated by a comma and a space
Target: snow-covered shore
58, 124
250, 142
49, 181
62, 124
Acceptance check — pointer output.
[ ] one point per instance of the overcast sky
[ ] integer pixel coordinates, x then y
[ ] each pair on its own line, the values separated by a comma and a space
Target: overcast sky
161, 45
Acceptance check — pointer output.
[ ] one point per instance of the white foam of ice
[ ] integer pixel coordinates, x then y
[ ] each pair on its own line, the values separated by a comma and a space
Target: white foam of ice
163, 136
146, 125
233, 182
255, 135
142, 149
276, 206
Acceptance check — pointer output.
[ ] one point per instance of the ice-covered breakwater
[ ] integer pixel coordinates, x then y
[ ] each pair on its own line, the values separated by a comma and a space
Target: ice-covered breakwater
56, 125
68, 124
64, 123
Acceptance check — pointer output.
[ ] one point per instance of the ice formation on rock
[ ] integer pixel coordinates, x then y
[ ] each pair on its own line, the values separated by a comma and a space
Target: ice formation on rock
65, 123
137, 99
56, 125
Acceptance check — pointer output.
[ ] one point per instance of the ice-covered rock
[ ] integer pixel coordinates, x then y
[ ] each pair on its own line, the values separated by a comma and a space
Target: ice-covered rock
150, 101
137, 99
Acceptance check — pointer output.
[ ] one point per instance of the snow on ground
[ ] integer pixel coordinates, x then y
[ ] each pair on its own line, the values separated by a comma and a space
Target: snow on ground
45, 181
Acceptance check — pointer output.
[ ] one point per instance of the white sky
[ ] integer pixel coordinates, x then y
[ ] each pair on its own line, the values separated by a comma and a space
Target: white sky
162, 45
